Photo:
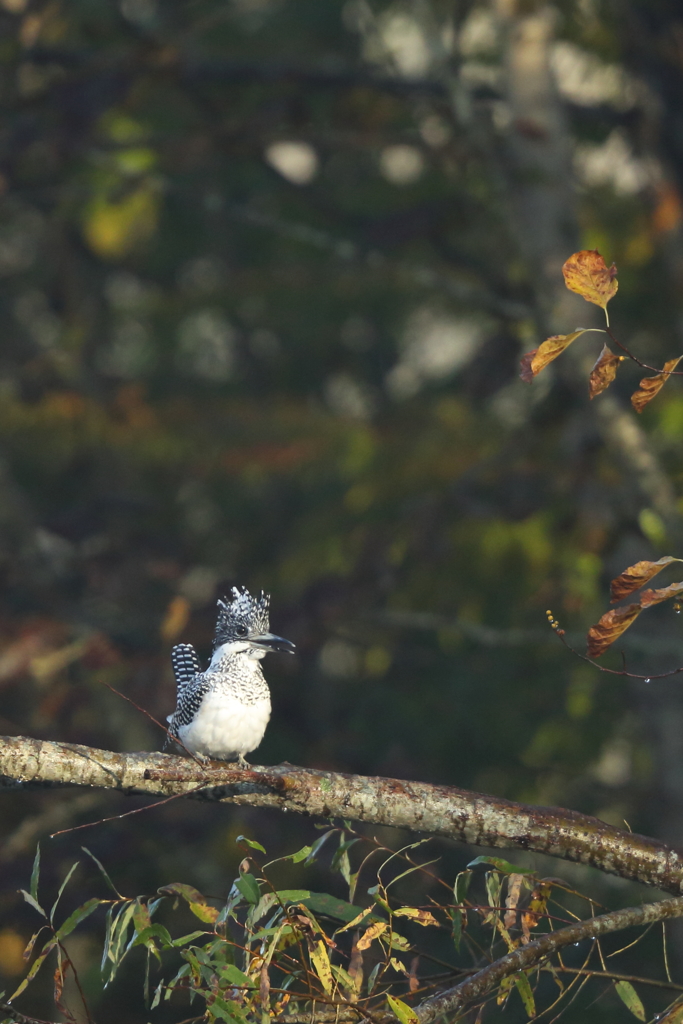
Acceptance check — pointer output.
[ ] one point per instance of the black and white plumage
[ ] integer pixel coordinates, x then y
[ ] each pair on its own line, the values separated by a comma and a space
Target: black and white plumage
223, 712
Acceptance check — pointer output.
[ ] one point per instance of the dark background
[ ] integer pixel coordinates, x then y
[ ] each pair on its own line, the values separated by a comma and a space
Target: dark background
266, 271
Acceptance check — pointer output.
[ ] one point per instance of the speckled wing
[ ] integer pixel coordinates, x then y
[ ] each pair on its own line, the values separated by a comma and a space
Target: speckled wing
185, 667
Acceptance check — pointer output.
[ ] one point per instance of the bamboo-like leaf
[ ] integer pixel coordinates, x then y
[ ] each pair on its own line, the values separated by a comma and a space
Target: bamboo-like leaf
102, 871
603, 372
587, 274
406, 1014
533, 362
630, 998
321, 965
527, 996
195, 901
356, 921
62, 888
35, 875
76, 917
651, 386
34, 903
515, 883
423, 917
504, 866
636, 576
35, 967
610, 627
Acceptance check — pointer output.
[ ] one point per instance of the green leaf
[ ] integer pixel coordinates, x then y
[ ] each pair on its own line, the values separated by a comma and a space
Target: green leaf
339, 910
29, 899
62, 888
75, 919
35, 875
501, 865
222, 1009
462, 885
249, 842
145, 937
196, 902
234, 976
493, 884
249, 887
103, 872
402, 1011
184, 939
630, 998
527, 996
457, 917
293, 895
315, 848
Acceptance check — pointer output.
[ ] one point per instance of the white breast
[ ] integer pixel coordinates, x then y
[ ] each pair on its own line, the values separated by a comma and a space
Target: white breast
224, 727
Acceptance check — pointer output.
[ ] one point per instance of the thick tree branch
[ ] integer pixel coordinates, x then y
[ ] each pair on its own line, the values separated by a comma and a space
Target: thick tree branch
524, 957
441, 810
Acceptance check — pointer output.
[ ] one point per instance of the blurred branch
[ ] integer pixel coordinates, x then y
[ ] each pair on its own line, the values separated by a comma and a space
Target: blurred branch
457, 814
424, 276
525, 957
490, 636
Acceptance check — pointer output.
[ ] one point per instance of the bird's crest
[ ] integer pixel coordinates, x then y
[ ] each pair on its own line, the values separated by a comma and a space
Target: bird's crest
242, 610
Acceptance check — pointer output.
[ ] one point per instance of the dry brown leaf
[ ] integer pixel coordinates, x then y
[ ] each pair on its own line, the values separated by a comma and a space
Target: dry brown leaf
650, 597
651, 386
515, 883
587, 274
636, 576
610, 627
533, 362
604, 371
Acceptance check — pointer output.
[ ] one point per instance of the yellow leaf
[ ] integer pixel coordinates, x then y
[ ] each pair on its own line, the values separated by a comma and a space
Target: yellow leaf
423, 917
402, 1011
175, 619
321, 965
113, 228
533, 362
587, 274
369, 936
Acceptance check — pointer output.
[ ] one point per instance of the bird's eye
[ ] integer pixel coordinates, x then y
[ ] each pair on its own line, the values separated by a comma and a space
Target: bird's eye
241, 630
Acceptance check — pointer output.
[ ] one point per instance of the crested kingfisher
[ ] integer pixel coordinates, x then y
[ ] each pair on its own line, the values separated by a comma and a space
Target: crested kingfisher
223, 712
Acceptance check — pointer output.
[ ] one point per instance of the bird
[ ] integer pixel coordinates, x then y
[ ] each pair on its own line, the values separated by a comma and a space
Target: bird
222, 713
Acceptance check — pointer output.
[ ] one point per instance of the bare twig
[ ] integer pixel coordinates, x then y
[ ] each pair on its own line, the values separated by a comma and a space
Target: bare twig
525, 957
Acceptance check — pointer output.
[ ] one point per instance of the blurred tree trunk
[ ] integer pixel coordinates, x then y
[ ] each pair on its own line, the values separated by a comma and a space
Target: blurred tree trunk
542, 202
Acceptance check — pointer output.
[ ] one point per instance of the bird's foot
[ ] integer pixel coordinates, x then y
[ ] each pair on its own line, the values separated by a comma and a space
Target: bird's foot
241, 763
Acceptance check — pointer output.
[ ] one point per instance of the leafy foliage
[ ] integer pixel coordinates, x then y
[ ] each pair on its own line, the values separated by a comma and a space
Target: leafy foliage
278, 952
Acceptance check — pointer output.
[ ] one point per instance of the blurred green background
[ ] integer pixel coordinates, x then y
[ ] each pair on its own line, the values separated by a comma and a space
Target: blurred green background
266, 271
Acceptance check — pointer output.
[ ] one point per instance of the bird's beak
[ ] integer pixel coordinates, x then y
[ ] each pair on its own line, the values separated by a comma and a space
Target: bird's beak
270, 642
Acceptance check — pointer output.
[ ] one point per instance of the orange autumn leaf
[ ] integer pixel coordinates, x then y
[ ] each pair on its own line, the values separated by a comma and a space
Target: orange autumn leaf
587, 274
650, 597
533, 362
610, 627
636, 576
651, 386
604, 372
